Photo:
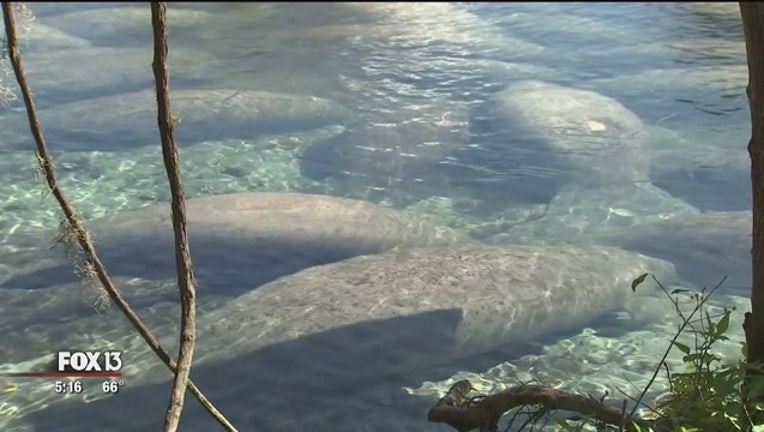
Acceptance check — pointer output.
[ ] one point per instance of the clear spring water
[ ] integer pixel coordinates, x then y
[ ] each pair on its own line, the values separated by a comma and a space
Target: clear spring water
679, 67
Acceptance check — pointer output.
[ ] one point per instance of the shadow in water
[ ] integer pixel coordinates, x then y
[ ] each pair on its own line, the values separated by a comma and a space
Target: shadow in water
346, 379
223, 267
504, 164
337, 380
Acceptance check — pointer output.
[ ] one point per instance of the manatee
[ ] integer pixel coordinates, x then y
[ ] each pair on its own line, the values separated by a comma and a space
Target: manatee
127, 26
39, 37
534, 138
577, 214
709, 169
705, 247
388, 148
421, 24
350, 334
242, 240
47, 9
718, 89
80, 73
398, 24
129, 120
596, 134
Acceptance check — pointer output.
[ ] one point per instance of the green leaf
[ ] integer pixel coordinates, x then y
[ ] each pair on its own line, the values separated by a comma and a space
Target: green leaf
723, 324
638, 281
682, 347
679, 291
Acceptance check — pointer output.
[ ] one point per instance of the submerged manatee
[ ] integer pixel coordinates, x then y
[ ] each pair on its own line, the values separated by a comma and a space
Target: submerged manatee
40, 36
131, 25
705, 247
595, 134
389, 149
533, 138
242, 240
352, 333
75, 74
129, 120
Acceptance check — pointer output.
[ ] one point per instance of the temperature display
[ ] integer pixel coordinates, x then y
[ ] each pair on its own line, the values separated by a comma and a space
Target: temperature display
112, 386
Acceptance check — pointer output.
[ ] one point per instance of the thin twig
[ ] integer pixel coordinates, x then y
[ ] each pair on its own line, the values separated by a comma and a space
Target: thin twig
82, 237
186, 282
685, 323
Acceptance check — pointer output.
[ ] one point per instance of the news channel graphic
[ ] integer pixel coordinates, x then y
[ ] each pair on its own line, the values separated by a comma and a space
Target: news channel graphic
70, 367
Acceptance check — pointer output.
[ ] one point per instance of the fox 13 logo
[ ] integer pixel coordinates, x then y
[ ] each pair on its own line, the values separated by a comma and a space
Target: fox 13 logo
88, 361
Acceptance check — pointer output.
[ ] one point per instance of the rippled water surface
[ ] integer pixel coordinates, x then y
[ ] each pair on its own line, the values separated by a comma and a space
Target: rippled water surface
605, 124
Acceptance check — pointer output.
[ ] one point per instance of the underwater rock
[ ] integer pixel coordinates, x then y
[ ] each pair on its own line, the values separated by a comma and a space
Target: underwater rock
128, 120
352, 333
242, 240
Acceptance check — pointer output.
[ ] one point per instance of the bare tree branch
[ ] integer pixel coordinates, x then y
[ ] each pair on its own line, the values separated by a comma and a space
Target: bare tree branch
186, 282
81, 235
483, 413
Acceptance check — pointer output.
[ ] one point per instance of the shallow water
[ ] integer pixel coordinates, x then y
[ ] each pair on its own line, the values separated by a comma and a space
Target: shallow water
415, 128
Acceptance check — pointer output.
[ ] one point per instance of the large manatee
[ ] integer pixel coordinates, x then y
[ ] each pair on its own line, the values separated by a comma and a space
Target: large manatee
322, 347
595, 134
705, 247
75, 74
239, 241
37, 37
534, 137
130, 25
130, 120
388, 151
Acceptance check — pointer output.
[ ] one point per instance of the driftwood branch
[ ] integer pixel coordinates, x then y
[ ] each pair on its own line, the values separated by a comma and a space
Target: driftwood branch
186, 283
483, 413
78, 230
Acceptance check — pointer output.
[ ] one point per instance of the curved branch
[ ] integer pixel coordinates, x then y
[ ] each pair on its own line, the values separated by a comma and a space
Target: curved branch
186, 283
483, 413
79, 232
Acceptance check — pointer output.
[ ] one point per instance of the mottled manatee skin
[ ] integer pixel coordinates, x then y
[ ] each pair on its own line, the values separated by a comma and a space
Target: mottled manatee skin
595, 134
242, 240
364, 327
129, 120
504, 293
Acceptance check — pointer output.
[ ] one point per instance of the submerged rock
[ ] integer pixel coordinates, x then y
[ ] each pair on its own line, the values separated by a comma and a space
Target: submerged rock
242, 240
129, 120
350, 334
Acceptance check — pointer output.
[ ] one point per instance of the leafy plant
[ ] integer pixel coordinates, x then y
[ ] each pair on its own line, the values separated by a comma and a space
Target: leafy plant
706, 396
